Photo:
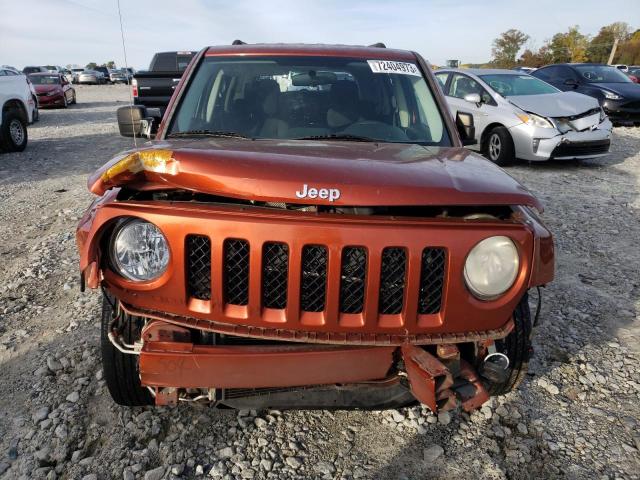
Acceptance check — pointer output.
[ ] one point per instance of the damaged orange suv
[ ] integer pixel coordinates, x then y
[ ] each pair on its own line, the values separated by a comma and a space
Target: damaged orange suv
306, 230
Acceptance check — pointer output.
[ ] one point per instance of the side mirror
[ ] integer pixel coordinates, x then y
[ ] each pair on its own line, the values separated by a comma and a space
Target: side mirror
130, 120
466, 128
473, 98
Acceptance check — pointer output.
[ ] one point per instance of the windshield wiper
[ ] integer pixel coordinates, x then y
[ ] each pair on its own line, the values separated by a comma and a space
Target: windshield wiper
209, 133
339, 136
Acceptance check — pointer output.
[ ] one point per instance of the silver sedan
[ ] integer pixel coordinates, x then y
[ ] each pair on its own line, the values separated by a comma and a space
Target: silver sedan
519, 116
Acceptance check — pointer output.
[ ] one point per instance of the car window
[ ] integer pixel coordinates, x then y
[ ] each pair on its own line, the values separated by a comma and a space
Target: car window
442, 79
2, 73
462, 85
601, 74
300, 97
508, 85
44, 79
546, 73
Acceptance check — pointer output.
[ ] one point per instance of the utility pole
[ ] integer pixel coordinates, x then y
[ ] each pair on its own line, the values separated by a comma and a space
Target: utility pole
613, 51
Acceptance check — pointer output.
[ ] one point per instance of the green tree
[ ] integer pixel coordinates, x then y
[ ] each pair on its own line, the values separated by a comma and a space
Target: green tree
506, 47
629, 51
570, 46
111, 64
535, 58
600, 46
91, 65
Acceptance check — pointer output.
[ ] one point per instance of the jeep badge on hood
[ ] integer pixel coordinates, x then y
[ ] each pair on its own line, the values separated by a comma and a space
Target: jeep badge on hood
329, 193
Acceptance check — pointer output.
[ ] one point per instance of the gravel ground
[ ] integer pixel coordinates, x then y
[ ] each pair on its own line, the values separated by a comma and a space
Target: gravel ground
576, 416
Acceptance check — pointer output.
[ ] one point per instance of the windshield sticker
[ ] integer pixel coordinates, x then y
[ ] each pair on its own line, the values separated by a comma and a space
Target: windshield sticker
387, 66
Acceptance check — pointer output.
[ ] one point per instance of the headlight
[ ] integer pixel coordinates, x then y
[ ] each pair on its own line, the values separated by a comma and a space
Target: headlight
611, 96
139, 250
491, 267
535, 120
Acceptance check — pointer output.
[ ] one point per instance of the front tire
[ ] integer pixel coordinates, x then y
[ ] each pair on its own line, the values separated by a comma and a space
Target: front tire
13, 133
517, 347
498, 146
121, 371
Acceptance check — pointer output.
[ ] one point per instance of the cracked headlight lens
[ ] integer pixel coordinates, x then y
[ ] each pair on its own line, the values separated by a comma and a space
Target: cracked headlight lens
491, 267
139, 251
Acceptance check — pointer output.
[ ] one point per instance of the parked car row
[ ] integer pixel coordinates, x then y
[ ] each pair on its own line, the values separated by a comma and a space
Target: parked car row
93, 76
21, 97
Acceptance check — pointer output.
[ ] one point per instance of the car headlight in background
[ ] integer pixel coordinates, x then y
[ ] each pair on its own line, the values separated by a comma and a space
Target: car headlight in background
611, 96
491, 267
139, 250
534, 120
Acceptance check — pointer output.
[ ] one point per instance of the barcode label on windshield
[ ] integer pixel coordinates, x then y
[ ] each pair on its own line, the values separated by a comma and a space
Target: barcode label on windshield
387, 66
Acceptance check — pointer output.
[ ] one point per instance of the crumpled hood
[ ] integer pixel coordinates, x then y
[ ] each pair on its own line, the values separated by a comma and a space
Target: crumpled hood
363, 174
560, 104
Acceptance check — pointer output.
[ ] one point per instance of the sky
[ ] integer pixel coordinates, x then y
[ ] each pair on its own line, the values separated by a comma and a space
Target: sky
61, 32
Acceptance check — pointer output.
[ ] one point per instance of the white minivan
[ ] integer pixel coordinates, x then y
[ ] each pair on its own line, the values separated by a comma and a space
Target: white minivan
18, 107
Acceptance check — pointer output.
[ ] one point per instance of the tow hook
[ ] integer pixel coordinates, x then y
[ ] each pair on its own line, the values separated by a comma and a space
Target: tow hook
495, 366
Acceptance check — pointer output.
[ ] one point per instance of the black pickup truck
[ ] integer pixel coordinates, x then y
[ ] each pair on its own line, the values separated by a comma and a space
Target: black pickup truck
154, 87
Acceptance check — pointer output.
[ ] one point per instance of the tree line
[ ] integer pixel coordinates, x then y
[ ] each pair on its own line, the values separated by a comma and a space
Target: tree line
570, 46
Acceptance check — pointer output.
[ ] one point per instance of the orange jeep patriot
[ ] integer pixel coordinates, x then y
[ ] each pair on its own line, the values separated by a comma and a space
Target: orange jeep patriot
306, 230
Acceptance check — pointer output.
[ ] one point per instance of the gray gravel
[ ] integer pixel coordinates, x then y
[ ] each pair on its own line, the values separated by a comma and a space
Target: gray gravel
576, 416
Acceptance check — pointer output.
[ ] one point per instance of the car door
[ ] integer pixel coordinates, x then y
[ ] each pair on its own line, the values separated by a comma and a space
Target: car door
483, 113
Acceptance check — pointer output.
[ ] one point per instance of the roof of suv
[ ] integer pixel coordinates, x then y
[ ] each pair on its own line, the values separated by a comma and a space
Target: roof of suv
374, 53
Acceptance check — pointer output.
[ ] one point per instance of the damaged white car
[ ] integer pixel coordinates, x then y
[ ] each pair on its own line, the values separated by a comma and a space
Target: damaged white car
520, 116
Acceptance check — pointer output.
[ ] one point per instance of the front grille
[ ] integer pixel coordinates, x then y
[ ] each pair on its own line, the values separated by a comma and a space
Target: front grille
431, 280
577, 149
275, 268
236, 272
352, 279
313, 281
199, 267
392, 280
314, 276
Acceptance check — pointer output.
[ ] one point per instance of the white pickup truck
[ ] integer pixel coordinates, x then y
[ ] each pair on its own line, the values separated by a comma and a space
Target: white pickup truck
19, 108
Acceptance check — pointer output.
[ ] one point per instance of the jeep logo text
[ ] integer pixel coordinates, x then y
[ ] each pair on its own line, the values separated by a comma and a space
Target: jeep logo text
330, 194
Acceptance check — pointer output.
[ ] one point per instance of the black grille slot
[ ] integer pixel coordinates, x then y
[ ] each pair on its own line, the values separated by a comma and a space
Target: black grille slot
353, 274
392, 280
275, 267
236, 272
313, 283
581, 148
199, 267
431, 280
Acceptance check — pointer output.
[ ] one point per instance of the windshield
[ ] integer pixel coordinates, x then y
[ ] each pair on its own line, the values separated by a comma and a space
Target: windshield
601, 74
511, 85
44, 79
318, 97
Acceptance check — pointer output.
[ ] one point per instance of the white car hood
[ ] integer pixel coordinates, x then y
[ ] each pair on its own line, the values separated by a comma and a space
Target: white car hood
560, 104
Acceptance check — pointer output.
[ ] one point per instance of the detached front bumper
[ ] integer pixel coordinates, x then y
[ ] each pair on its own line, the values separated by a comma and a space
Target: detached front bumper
328, 375
540, 144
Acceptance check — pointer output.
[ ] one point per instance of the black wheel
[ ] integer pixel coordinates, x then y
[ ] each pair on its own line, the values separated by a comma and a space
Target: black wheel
65, 103
74, 100
498, 146
517, 347
13, 133
121, 369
